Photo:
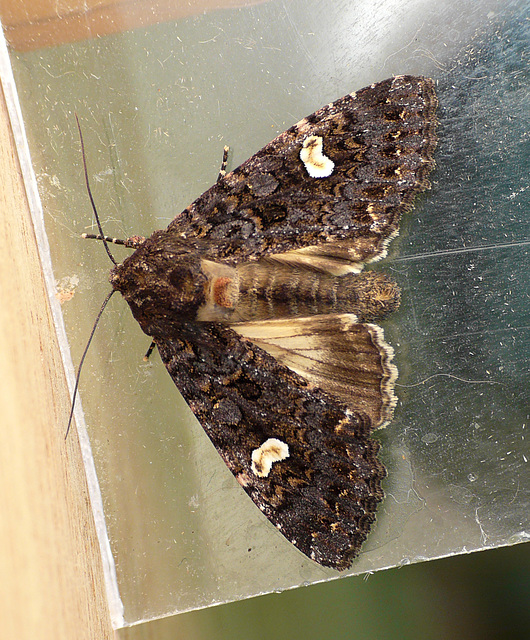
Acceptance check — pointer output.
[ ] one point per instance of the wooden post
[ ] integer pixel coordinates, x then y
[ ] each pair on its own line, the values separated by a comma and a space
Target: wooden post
51, 578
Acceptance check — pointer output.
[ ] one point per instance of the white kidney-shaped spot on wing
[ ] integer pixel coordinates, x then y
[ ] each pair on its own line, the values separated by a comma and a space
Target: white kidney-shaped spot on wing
316, 163
272, 450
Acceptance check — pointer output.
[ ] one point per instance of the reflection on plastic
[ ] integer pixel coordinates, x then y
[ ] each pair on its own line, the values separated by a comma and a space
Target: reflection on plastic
161, 104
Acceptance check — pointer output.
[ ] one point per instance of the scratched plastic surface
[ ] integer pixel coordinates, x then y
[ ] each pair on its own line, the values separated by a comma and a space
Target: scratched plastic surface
156, 106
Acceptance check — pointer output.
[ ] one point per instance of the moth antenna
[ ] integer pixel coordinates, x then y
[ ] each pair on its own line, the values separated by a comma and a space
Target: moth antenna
78, 375
132, 243
87, 182
96, 236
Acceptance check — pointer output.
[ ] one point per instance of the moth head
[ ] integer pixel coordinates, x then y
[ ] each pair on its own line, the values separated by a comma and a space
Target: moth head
162, 282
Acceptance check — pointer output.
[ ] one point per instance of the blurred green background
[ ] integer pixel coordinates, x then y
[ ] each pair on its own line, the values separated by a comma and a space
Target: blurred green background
481, 596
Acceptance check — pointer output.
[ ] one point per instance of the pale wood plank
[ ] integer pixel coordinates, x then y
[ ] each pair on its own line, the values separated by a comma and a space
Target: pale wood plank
51, 579
46, 23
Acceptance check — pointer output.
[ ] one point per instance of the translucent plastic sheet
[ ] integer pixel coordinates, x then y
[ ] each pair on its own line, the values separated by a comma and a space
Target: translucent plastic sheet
156, 106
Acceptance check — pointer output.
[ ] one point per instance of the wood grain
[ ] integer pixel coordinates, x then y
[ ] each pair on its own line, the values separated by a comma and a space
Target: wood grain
46, 23
51, 579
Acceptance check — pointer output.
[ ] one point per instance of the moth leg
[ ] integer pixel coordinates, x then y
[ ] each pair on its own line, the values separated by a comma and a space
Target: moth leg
222, 170
132, 243
149, 351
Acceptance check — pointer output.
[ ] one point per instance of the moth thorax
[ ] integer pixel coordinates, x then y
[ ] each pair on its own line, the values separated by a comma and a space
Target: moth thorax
161, 284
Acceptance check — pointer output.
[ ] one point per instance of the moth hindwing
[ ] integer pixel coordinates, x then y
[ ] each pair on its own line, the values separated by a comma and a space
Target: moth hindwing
257, 302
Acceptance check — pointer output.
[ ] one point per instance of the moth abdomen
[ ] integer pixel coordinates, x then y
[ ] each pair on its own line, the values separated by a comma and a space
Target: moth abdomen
270, 290
371, 294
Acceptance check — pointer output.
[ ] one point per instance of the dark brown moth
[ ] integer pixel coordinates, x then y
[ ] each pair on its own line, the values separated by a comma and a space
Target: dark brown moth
257, 302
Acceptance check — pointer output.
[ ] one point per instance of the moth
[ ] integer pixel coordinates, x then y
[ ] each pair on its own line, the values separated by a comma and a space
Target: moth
256, 299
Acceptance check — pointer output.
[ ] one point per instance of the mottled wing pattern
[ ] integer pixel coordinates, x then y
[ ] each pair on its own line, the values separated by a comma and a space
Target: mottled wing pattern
323, 495
290, 401
380, 141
